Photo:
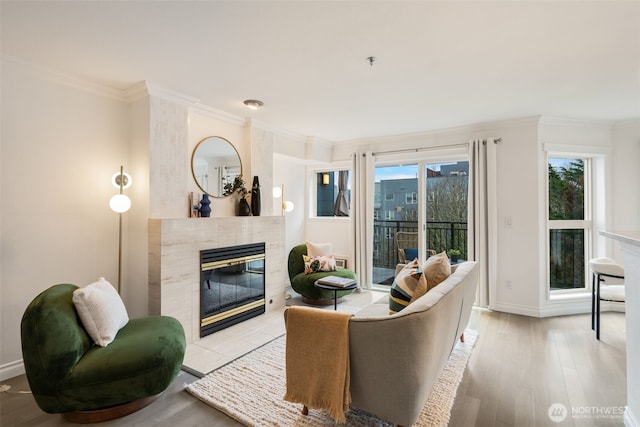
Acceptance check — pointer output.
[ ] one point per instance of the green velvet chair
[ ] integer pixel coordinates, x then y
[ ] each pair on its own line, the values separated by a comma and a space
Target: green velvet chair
68, 373
303, 283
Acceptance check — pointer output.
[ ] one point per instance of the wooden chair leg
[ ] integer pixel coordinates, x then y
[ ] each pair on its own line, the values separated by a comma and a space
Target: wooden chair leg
305, 410
462, 337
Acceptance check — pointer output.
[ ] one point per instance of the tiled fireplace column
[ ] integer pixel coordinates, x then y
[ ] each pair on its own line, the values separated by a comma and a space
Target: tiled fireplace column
174, 261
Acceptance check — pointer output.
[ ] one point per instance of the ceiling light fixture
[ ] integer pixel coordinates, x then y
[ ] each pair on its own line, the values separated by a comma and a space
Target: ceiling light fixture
254, 104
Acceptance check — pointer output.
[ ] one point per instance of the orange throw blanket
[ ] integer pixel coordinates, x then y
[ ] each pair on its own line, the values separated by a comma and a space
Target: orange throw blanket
317, 360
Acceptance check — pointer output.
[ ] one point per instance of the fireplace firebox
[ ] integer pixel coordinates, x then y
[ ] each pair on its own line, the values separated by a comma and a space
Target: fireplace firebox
232, 286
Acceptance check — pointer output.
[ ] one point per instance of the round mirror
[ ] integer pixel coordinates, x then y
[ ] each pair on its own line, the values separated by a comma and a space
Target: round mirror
214, 163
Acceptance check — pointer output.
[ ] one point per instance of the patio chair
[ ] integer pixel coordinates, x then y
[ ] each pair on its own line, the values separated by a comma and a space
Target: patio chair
407, 244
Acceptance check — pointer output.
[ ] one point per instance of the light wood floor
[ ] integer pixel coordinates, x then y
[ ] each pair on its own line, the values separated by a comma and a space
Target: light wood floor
523, 365
519, 367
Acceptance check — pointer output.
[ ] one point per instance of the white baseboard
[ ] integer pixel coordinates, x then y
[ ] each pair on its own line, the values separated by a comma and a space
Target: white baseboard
11, 369
515, 309
560, 308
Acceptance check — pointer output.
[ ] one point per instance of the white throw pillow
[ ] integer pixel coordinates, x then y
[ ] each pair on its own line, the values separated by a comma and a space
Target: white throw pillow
101, 311
319, 249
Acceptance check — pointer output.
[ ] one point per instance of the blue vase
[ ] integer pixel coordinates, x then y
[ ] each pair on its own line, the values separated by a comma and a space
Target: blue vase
205, 209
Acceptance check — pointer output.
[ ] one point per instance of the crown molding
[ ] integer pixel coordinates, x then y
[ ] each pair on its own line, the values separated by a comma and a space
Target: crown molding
628, 123
136, 92
276, 131
66, 79
464, 131
576, 122
214, 113
171, 95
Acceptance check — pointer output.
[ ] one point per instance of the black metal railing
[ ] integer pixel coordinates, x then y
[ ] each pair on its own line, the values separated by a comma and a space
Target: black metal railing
440, 236
566, 259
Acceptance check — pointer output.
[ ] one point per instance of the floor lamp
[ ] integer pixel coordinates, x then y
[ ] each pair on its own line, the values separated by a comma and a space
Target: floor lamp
120, 203
286, 206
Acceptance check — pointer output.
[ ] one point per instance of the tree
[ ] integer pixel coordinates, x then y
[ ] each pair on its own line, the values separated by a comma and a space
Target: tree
447, 204
447, 199
566, 191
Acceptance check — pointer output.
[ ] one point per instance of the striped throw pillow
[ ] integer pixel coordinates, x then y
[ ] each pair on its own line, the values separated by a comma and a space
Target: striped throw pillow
408, 285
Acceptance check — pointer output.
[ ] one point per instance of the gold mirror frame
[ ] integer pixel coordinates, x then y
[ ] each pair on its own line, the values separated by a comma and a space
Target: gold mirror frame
215, 162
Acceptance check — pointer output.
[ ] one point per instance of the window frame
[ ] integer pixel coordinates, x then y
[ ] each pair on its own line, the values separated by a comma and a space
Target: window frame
586, 224
313, 201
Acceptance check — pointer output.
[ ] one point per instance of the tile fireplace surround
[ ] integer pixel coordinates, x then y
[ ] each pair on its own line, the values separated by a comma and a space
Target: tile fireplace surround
174, 269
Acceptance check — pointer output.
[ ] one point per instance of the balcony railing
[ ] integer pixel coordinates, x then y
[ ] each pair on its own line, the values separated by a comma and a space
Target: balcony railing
566, 259
440, 236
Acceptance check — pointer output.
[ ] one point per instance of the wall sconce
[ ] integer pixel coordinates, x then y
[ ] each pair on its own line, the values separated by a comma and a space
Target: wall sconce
120, 204
325, 179
278, 192
121, 179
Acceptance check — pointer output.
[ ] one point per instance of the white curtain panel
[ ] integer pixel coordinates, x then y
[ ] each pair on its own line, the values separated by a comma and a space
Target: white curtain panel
362, 189
341, 207
482, 216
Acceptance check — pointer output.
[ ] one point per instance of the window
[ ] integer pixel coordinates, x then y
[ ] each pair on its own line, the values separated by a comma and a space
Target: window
431, 202
328, 190
569, 222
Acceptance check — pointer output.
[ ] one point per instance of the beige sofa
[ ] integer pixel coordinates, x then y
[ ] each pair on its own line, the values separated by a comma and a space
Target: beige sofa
395, 359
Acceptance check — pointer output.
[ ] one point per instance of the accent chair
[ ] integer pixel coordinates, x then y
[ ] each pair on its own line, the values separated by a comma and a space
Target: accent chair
68, 373
304, 283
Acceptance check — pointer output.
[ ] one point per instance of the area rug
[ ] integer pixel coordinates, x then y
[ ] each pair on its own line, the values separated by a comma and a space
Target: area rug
250, 390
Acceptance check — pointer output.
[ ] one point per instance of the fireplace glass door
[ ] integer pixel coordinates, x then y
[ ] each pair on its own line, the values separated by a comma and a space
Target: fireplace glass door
232, 286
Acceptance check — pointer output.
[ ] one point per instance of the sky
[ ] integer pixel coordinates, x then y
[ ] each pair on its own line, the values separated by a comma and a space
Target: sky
403, 171
396, 172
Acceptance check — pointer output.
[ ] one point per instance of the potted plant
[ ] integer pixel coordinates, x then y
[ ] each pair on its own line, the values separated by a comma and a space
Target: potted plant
454, 254
237, 186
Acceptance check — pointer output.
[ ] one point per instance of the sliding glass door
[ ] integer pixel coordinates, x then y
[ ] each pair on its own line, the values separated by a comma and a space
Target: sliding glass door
446, 208
420, 208
395, 219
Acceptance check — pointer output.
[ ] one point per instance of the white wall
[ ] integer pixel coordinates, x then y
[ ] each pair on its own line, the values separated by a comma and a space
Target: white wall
517, 244
60, 147
291, 172
136, 255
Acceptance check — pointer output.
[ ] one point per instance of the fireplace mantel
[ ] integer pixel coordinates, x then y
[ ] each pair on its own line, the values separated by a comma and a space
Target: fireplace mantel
174, 261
